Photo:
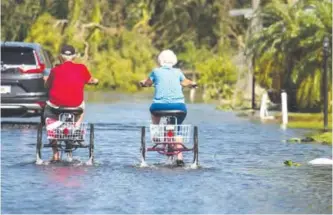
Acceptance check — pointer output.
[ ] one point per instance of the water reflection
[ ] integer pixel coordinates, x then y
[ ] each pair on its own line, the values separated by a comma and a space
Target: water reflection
65, 174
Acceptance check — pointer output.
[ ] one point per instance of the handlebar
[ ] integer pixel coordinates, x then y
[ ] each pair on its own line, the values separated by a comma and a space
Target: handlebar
94, 81
192, 86
142, 84
95, 84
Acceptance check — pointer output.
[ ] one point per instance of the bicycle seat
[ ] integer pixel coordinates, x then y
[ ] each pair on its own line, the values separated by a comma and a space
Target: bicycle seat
72, 110
162, 113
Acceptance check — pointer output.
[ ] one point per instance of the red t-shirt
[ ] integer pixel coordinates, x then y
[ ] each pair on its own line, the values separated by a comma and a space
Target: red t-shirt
67, 84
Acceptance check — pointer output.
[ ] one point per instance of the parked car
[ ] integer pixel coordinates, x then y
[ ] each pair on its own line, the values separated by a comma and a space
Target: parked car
23, 66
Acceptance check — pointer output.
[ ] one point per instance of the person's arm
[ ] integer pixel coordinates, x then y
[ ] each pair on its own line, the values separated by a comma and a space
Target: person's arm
146, 83
93, 80
149, 81
88, 78
186, 82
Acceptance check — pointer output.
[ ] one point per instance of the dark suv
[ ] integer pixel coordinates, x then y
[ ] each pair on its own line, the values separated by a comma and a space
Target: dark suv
23, 66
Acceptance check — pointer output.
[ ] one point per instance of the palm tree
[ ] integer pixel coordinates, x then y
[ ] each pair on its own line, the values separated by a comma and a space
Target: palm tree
292, 45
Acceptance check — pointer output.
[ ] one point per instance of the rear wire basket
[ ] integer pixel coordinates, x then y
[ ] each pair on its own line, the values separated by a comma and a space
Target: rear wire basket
68, 131
170, 133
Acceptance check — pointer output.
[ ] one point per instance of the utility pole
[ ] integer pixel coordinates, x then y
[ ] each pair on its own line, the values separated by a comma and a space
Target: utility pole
326, 44
255, 19
255, 27
253, 103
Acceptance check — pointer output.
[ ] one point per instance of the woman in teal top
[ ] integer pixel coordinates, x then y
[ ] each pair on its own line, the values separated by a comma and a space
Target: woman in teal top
168, 82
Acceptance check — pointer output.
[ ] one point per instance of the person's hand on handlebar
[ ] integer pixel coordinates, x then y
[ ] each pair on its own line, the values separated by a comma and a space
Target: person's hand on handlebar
146, 83
142, 83
194, 85
188, 83
93, 81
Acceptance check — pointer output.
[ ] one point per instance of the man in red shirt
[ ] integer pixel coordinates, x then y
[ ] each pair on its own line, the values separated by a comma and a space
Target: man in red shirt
66, 87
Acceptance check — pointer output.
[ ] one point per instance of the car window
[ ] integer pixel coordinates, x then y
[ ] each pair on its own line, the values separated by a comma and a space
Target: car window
17, 56
50, 57
47, 59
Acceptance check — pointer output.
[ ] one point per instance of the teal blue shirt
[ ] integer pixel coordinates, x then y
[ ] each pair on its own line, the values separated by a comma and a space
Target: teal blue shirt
167, 85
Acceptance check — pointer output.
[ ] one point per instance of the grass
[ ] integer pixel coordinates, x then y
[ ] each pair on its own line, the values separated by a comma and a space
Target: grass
306, 120
322, 137
224, 107
308, 125
313, 121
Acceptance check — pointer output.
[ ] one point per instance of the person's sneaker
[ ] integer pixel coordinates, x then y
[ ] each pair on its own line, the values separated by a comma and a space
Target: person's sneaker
54, 161
180, 163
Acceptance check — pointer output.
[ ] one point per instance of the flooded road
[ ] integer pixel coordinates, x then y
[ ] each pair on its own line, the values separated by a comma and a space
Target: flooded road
241, 169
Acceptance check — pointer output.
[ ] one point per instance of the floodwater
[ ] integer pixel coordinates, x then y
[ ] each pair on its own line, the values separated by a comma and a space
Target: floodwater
241, 168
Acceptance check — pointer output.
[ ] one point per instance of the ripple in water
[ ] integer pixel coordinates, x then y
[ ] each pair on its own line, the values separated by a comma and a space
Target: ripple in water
75, 161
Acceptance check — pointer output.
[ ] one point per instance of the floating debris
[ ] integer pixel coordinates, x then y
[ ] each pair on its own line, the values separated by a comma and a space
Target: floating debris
301, 140
291, 163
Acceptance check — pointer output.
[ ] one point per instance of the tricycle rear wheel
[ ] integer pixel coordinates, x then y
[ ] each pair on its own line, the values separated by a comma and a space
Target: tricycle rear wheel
39, 141
91, 142
143, 143
195, 146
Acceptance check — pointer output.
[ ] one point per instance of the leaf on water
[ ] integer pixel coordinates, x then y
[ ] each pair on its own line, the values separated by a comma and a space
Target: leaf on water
291, 163
288, 162
294, 140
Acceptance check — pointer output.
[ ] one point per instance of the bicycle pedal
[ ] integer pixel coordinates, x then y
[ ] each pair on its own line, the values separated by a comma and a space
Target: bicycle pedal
170, 149
82, 145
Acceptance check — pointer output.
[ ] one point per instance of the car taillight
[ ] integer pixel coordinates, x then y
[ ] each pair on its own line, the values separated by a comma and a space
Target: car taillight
40, 67
38, 70
41, 104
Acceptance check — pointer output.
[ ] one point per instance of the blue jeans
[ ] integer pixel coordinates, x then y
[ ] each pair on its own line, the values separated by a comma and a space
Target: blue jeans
170, 106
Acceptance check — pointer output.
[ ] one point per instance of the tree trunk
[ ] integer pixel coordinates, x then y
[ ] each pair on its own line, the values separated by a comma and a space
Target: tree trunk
192, 91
